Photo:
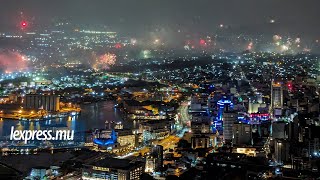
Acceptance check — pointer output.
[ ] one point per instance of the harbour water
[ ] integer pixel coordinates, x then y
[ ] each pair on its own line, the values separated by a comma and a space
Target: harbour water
92, 116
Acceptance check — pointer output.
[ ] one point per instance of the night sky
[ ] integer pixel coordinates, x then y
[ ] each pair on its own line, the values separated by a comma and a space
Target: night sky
291, 16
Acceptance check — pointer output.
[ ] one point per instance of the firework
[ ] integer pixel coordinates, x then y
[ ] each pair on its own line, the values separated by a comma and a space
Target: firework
11, 61
145, 54
284, 47
104, 61
108, 59
118, 46
277, 37
249, 47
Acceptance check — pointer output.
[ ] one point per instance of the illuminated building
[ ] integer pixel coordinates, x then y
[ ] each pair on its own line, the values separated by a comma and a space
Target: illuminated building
246, 151
39, 172
110, 139
118, 126
229, 118
145, 116
221, 104
157, 154
112, 168
20, 149
156, 129
4, 99
200, 127
125, 137
256, 118
105, 139
254, 107
281, 153
276, 98
46, 102
202, 134
200, 141
280, 130
150, 164
299, 163
199, 103
242, 134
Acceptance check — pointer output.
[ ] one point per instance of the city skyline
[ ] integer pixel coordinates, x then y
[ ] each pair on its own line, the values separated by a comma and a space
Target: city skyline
131, 90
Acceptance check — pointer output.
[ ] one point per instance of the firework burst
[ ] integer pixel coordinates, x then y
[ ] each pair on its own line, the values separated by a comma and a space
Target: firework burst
11, 61
105, 61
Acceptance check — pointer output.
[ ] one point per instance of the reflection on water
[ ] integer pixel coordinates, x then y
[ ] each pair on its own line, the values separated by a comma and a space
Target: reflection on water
92, 116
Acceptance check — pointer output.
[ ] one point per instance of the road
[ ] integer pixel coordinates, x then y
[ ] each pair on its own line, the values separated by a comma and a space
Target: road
167, 143
171, 141
183, 112
72, 176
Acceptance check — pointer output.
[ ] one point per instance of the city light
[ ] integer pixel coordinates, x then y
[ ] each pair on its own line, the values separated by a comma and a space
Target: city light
159, 90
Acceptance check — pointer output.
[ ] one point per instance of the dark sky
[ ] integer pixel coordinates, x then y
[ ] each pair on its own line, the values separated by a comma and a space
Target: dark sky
294, 16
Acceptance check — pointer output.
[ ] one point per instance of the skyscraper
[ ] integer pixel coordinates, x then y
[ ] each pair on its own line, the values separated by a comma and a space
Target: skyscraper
157, 153
281, 150
242, 134
228, 117
276, 98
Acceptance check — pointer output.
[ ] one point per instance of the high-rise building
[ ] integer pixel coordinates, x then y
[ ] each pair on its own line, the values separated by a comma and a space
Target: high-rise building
281, 153
46, 102
229, 118
200, 127
157, 153
112, 168
276, 98
280, 130
254, 107
200, 141
150, 164
242, 134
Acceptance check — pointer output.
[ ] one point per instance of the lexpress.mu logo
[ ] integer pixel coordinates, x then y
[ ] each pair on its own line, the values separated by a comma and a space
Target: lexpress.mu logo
41, 135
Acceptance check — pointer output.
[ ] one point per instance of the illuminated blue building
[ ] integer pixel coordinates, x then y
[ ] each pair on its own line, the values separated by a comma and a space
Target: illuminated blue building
103, 141
221, 104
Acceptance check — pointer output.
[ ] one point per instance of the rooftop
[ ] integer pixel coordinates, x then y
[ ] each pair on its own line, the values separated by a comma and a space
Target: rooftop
115, 163
7, 172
